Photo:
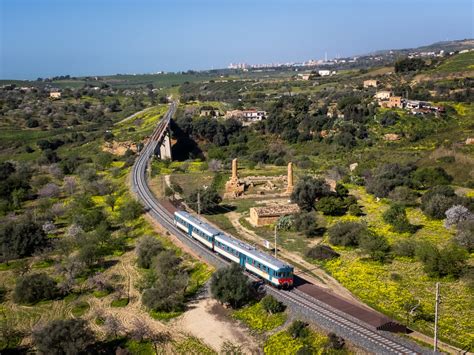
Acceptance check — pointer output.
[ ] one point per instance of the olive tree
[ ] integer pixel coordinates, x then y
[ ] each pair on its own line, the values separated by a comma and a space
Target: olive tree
63, 336
147, 248
34, 288
307, 190
20, 238
230, 285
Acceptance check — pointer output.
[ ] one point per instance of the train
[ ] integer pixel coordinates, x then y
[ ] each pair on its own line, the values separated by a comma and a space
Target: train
260, 264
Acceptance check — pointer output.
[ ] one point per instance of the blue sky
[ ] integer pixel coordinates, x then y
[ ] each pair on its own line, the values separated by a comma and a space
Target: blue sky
40, 38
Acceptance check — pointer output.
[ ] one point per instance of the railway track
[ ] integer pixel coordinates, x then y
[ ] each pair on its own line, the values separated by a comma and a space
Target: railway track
332, 319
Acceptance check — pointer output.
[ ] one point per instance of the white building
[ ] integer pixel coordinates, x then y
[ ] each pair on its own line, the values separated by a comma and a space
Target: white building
253, 115
414, 104
383, 95
326, 72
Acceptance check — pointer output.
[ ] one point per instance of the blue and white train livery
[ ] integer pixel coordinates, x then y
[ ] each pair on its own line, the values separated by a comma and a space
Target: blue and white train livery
261, 264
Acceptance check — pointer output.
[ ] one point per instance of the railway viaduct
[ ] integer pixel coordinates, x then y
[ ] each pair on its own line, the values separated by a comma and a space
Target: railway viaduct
160, 140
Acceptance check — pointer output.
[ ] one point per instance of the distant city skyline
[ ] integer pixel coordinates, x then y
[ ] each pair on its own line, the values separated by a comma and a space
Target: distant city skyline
44, 38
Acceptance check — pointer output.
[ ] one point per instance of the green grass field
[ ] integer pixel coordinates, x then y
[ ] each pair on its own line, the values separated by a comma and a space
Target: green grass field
458, 63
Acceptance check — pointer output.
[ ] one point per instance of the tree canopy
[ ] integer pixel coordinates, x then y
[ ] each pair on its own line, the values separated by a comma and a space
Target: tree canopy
63, 336
33, 288
209, 199
307, 190
230, 285
20, 238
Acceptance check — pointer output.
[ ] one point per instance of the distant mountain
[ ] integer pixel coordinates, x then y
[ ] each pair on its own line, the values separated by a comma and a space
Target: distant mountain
447, 46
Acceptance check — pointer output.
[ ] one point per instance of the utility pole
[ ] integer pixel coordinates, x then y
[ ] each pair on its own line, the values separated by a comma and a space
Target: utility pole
199, 202
275, 241
163, 183
435, 345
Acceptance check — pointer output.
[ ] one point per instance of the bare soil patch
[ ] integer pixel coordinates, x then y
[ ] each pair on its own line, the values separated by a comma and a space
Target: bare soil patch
211, 322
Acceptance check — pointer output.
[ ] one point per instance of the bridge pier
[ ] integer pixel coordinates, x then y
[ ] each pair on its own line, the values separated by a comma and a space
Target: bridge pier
163, 148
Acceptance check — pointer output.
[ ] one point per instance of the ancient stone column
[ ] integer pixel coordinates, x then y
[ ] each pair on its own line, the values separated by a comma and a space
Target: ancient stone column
234, 169
289, 188
233, 187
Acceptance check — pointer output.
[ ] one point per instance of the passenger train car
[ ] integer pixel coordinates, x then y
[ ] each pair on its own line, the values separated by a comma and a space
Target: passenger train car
261, 264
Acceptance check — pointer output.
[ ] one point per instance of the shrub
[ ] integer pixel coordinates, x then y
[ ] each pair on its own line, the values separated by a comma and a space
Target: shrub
298, 329
452, 261
388, 176
374, 245
355, 210
147, 248
331, 206
33, 288
428, 177
346, 233
403, 195
389, 118
164, 298
405, 247
131, 210
442, 190
465, 235
230, 285
395, 277
272, 305
285, 223
70, 336
449, 261
335, 342
322, 252
396, 216
437, 206
341, 190
279, 161
306, 223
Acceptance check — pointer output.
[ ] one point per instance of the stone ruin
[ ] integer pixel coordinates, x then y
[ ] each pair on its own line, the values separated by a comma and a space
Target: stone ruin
236, 187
